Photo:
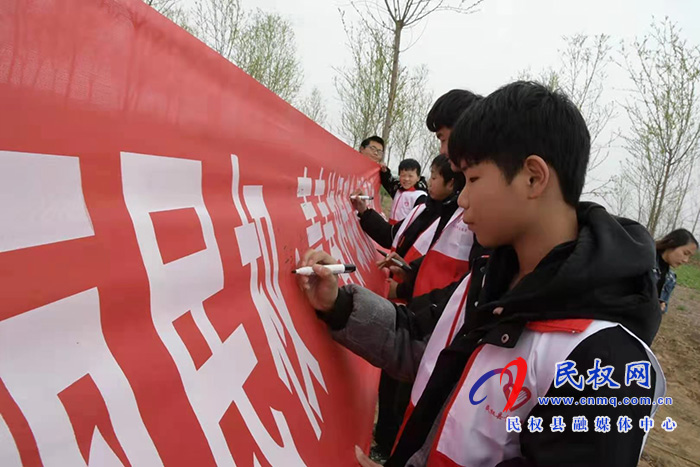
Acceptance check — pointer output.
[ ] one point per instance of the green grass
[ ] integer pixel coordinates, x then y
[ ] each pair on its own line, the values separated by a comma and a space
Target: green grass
689, 276
386, 201
695, 259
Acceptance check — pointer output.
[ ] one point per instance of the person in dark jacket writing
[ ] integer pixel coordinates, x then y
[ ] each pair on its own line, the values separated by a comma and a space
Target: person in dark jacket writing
410, 239
415, 237
563, 307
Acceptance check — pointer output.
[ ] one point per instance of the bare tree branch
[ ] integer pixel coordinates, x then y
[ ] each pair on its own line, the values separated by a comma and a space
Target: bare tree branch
218, 24
314, 107
581, 76
172, 10
411, 136
397, 16
262, 44
363, 87
266, 50
664, 111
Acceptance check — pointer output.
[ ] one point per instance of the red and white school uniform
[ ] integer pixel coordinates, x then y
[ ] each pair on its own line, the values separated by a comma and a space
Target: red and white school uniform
404, 202
448, 259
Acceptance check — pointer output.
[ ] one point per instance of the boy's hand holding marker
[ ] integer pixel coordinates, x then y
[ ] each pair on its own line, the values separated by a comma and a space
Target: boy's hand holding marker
359, 201
393, 261
333, 268
321, 288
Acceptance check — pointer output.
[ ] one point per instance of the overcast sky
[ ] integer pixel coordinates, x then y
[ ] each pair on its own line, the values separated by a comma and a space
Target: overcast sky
480, 51
487, 49
484, 50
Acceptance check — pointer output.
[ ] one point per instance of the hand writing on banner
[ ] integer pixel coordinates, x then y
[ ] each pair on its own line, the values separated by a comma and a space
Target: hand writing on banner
360, 205
398, 273
364, 247
258, 248
325, 204
321, 289
388, 261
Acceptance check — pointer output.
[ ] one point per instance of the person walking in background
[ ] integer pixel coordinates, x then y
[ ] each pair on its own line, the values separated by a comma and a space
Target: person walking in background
673, 250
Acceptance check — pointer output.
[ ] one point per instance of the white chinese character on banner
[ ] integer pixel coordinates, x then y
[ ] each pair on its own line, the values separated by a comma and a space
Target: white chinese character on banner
180, 281
258, 248
54, 360
334, 227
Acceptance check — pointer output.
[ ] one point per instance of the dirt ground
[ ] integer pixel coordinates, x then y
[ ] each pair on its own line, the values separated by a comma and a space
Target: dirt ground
677, 346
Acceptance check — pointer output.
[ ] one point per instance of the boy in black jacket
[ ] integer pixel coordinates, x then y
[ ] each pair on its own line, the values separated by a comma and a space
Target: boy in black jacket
445, 185
441, 205
564, 307
410, 186
409, 177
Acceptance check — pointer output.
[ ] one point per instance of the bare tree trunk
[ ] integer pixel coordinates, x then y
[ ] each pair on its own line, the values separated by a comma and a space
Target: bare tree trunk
683, 194
695, 224
640, 196
654, 206
654, 222
398, 28
665, 130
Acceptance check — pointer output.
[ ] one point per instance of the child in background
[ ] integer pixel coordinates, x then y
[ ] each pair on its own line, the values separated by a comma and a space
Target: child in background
407, 191
425, 220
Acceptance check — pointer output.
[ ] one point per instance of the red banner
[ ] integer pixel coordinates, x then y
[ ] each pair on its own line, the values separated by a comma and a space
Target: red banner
153, 202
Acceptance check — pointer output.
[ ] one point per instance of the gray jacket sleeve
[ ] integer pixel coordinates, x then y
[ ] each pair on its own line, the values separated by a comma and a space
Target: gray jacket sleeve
389, 336
366, 324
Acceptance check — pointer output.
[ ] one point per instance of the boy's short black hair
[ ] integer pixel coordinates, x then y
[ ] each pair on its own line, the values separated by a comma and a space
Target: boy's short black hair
447, 109
521, 119
374, 138
442, 164
409, 164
